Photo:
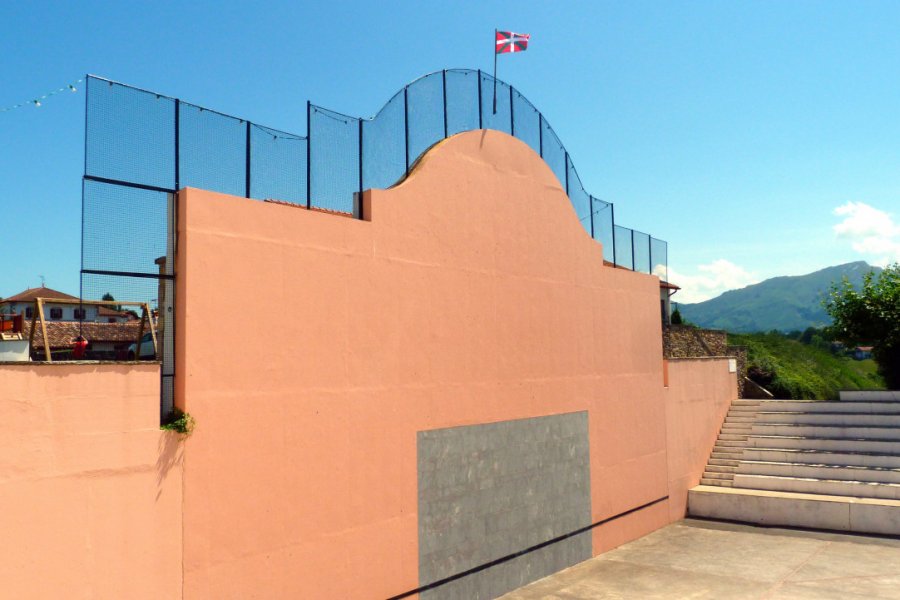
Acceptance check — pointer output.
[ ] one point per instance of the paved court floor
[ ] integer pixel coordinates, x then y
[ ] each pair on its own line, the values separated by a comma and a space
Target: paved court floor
703, 559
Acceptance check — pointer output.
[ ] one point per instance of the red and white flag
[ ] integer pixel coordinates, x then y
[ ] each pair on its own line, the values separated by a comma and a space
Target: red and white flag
507, 41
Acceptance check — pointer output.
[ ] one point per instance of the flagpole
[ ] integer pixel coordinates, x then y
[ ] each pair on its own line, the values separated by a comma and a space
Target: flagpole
495, 71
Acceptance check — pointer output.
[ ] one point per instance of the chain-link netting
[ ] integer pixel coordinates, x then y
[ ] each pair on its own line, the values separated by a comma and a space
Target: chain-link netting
130, 134
425, 99
277, 165
641, 252
212, 151
581, 200
141, 147
384, 147
659, 259
125, 229
333, 159
553, 152
603, 228
462, 101
495, 109
624, 247
526, 121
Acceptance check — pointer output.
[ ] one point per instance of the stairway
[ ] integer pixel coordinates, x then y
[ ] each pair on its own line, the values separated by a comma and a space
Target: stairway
828, 465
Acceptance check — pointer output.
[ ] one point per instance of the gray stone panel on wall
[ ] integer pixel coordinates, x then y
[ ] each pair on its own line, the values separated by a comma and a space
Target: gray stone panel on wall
490, 491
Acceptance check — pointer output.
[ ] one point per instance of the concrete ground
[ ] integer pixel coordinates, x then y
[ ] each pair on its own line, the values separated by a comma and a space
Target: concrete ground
705, 559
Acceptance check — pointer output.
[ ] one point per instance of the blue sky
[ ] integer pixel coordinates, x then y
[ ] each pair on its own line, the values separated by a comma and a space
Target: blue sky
757, 138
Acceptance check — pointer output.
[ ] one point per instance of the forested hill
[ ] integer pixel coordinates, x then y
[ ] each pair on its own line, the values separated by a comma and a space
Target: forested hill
782, 303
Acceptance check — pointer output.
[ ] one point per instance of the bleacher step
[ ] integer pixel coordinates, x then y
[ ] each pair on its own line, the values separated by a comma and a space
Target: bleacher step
860, 515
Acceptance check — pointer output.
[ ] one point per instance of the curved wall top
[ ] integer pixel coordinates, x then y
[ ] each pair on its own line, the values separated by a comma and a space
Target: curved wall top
153, 144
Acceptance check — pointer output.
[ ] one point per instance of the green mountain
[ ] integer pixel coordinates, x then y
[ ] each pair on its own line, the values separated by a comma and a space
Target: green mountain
782, 303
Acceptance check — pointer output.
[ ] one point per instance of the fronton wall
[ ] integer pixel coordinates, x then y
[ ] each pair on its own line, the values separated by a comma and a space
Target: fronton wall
385, 403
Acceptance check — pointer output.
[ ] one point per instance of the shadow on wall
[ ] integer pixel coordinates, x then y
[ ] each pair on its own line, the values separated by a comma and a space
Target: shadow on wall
171, 453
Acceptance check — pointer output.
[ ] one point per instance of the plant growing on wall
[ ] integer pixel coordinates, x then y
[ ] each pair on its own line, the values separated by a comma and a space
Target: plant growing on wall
183, 423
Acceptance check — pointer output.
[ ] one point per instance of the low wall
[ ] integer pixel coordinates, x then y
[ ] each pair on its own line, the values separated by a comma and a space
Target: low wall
90, 488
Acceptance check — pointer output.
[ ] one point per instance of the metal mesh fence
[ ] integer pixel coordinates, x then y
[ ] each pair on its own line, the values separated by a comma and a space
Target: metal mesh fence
141, 147
130, 134
495, 115
603, 228
462, 101
425, 110
553, 152
659, 259
212, 151
641, 244
624, 247
334, 160
277, 165
580, 199
384, 152
526, 121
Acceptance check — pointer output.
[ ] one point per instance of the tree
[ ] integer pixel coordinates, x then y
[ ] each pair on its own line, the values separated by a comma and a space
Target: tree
676, 319
871, 315
107, 297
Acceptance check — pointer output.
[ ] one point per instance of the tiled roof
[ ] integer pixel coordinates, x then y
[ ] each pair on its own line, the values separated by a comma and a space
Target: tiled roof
38, 292
105, 311
62, 334
339, 213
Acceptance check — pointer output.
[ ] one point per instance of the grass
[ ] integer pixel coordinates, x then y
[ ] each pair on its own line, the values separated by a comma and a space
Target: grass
791, 369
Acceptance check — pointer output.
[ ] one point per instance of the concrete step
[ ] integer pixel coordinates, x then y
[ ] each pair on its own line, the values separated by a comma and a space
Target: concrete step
726, 469
720, 476
871, 432
796, 455
732, 437
838, 513
740, 418
723, 462
716, 482
816, 471
818, 443
830, 418
886, 406
739, 443
870, 396
829, 487
740, 402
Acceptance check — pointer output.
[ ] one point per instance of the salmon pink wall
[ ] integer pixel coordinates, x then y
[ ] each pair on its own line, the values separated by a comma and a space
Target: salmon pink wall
312, 348
698, 398
90, 488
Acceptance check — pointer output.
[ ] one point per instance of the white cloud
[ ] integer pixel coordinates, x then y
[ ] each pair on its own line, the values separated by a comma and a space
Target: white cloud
871, 232
710, 280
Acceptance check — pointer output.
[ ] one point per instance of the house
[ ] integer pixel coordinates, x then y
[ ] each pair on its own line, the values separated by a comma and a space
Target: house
23, 304
862, 352
106, 341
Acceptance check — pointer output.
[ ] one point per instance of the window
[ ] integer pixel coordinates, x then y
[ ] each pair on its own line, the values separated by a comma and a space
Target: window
79, 313
29, 312
56, 313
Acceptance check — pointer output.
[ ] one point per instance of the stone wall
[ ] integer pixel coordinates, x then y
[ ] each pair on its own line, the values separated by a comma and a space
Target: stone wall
683, 341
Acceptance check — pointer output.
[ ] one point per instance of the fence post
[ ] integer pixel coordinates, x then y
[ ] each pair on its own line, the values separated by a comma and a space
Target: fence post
541, 134
479, 101
406, 125
177, 144
308, 155
444, 82
512, 114
247, 166
360, 203
612, 216
591, 208
632, 250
